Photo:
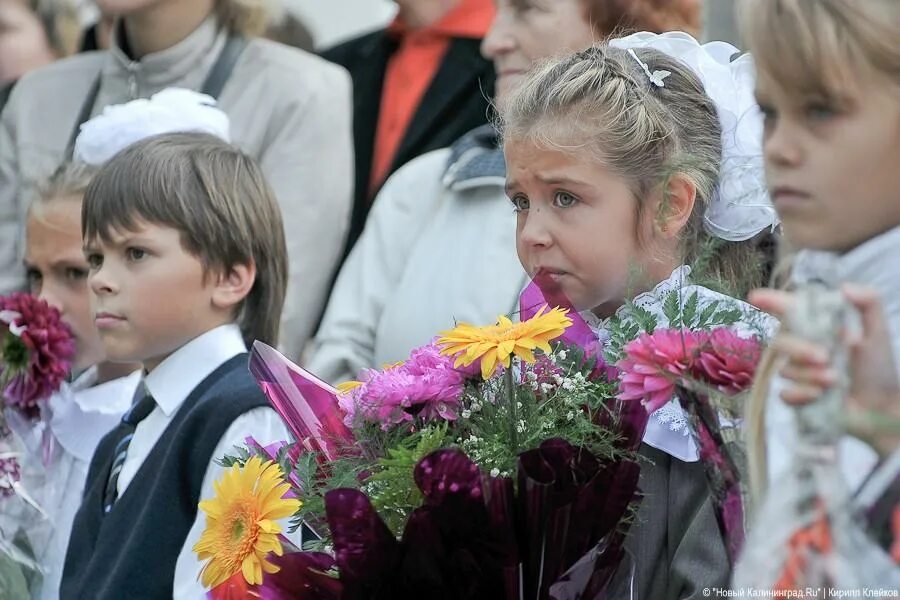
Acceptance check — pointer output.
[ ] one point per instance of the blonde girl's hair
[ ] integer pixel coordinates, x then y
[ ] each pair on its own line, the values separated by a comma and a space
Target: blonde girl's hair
813, 48
70, 180
600, 100
246, 17
216, 197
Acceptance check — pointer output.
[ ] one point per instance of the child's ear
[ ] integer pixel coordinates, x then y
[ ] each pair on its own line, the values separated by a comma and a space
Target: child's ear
676, 206
234, 285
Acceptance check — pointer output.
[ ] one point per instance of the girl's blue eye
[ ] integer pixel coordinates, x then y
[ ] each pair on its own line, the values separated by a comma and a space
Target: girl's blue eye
520, 203
564, 199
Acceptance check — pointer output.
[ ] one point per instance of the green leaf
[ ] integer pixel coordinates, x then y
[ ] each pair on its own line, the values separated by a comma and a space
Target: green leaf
706, 315
672, 309
689, 313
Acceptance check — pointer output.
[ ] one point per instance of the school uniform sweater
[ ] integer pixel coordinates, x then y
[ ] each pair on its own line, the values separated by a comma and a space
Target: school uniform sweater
131, 551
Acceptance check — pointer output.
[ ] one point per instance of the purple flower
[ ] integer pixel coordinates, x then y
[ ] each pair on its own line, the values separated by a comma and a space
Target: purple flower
425, 385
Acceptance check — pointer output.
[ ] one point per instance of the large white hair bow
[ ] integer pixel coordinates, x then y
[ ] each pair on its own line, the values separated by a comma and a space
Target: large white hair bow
741, 206
168, 111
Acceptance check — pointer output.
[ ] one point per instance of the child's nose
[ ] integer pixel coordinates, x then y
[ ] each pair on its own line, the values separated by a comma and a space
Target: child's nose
101, 282
536, 231
780, 146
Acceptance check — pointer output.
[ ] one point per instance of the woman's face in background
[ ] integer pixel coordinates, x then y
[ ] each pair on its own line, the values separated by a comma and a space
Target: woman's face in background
526, 31
23, 42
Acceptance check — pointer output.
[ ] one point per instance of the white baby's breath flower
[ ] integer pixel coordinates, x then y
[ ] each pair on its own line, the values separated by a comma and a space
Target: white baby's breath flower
466, 414
495, 472
562, 355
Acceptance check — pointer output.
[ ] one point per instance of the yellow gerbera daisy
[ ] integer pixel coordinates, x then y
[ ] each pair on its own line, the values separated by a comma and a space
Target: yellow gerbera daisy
240, 522
495, 344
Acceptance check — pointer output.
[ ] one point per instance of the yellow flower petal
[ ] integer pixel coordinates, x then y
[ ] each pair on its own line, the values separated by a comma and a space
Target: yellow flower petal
241, 528
495, 344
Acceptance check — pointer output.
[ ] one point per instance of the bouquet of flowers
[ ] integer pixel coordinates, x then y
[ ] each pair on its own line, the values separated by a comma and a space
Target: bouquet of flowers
494, 462
710, 373
36, 348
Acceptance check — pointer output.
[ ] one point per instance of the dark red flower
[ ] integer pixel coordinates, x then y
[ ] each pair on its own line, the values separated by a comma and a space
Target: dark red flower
36, 351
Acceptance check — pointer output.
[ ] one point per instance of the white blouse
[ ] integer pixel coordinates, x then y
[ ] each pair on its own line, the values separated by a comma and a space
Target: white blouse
80, 414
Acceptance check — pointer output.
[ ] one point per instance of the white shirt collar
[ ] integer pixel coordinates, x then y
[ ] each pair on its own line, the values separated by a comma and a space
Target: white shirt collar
173, 379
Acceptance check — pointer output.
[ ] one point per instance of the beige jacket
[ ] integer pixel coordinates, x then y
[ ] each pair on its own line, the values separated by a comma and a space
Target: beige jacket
289, 109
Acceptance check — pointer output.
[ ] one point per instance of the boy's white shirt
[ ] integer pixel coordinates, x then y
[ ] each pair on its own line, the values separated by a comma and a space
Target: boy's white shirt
667, 428
170, 383
875, 264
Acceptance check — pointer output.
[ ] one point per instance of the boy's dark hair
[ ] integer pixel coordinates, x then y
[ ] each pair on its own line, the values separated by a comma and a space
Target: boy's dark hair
216, 196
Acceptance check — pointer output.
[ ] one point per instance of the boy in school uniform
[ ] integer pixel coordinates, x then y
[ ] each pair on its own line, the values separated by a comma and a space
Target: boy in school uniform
187, 267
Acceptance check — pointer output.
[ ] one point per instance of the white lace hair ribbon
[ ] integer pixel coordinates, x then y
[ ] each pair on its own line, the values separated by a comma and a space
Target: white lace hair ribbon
171, 110
740, 207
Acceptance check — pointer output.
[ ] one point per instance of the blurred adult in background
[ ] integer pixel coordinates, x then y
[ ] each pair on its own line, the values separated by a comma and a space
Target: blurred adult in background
288, 109
418, 85
33, 33
284, 27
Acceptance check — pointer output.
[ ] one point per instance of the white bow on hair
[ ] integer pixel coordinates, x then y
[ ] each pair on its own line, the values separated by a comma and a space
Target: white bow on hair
740, 207
171, 110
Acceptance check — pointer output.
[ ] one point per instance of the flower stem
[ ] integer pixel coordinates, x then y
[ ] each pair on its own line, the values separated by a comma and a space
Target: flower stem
513, 412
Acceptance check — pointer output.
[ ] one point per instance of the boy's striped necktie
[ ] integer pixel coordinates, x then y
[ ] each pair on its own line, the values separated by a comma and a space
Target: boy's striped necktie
142, 406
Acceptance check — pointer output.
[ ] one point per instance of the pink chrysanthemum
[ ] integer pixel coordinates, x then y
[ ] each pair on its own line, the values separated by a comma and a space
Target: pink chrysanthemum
36, 351
653, 365
727, 361
426, 385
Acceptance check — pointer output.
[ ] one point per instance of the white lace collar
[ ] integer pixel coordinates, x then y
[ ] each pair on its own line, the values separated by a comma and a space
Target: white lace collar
655, 297
667, 428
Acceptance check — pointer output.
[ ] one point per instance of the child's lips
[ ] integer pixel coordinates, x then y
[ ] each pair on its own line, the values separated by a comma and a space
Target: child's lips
549, 273
104, 320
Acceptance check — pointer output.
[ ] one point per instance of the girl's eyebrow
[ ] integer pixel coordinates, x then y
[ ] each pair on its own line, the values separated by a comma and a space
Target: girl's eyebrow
559, 180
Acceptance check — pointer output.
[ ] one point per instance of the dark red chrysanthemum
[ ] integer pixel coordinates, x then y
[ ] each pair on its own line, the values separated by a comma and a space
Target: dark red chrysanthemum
36, 351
